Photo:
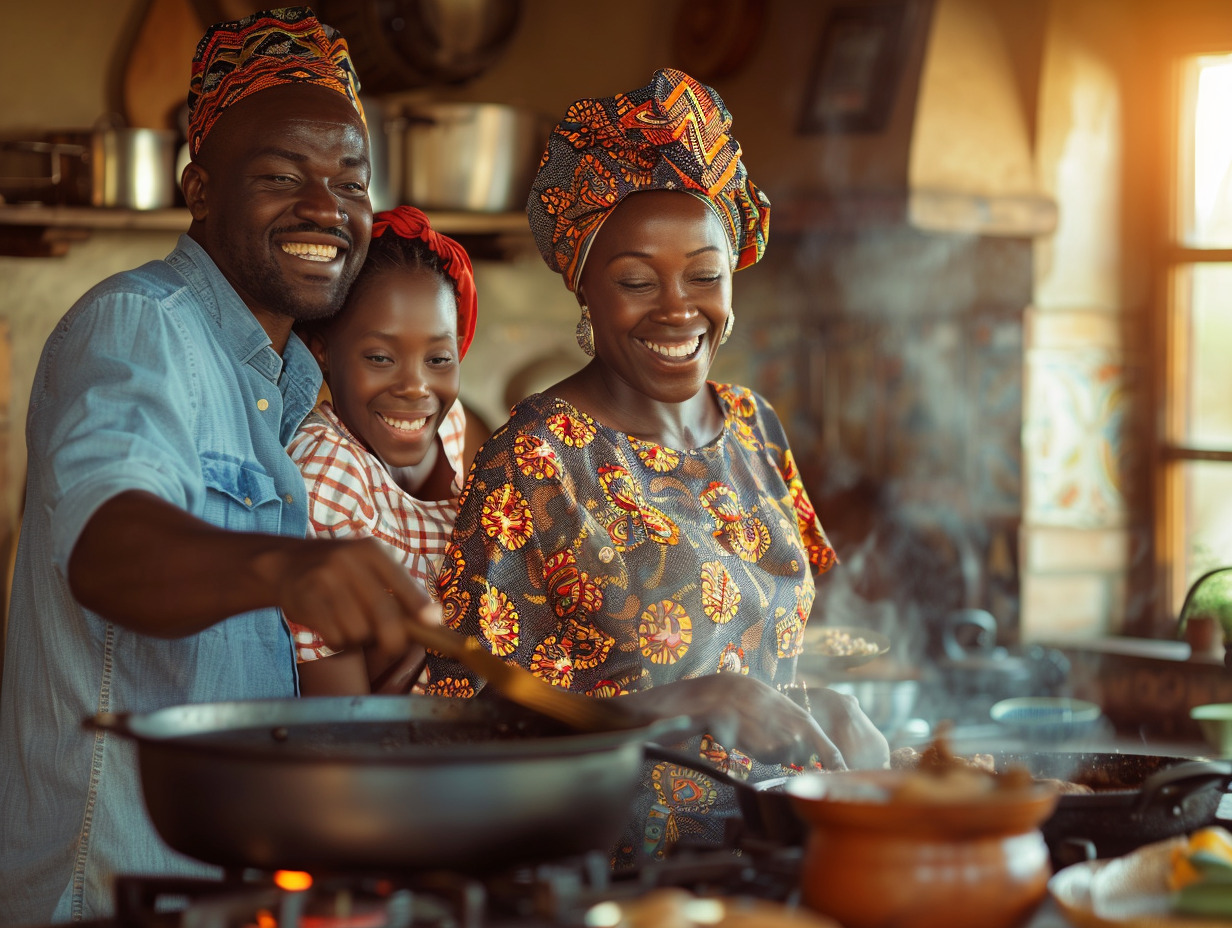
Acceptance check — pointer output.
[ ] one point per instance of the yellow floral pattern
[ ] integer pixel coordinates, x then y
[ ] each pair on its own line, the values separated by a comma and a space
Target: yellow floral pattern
498, 621
536, 457
611, 565
506, 517
657, 458
575, 429
665, 632
720, 594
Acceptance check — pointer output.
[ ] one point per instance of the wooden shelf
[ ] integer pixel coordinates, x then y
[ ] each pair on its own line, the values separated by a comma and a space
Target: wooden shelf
39, 231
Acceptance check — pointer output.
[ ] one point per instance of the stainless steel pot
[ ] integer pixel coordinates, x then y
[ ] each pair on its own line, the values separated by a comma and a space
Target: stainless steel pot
133, 168
342, 783
889, 704
476, 157
106, 167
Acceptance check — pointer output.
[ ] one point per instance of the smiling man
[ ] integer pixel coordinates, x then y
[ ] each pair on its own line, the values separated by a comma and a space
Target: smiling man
163, 544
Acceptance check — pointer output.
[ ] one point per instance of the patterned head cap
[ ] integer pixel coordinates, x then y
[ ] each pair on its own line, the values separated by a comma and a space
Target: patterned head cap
261, 51
407, 222
672, 134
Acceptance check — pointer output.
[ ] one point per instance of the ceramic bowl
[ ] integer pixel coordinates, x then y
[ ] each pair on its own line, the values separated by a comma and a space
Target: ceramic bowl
1046, 718
1215, 720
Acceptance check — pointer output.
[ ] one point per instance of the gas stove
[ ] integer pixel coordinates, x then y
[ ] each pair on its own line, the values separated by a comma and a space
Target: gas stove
578, 892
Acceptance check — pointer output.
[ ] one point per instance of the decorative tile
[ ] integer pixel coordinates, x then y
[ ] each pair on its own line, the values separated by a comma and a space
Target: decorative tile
1074, 439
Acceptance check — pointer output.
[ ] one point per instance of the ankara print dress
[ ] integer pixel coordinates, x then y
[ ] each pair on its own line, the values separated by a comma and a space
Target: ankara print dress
610, 565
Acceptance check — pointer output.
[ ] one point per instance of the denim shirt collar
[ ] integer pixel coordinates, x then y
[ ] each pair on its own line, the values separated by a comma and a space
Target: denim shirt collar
242, 335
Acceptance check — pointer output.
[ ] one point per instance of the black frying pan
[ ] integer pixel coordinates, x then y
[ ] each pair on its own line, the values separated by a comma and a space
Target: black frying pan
381, 782
1137, 799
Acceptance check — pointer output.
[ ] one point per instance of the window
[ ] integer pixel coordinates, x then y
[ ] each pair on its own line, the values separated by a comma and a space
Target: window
1196, 473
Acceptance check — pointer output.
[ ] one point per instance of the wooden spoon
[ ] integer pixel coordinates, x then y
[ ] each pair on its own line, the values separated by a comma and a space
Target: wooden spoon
519, 685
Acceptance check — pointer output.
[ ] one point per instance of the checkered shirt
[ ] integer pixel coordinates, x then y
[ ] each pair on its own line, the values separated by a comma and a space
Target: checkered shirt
351, 494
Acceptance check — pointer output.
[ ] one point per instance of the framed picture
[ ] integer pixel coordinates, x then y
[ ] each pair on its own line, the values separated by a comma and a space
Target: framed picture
855, 72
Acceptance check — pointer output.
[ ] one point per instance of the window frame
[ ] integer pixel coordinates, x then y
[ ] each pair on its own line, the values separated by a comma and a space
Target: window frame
1178, 258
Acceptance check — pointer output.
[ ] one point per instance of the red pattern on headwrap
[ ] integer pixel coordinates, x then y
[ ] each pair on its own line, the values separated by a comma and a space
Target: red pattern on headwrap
672, 134
236, 59
409, 222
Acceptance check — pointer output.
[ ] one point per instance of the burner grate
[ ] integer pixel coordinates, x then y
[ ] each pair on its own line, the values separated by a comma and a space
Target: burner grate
560, 893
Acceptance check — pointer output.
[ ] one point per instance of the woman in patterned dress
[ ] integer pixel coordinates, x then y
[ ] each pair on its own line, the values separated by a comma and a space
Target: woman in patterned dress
635, 530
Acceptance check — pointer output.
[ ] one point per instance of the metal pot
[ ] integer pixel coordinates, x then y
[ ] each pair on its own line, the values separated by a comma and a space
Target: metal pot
976, 672
343, 783
401, 44
53, 169
133, 168
106, 167
1138, 799
477, 157
889, 704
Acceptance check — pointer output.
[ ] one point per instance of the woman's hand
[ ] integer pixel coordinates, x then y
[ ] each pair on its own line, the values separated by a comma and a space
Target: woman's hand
852, 731
743, 712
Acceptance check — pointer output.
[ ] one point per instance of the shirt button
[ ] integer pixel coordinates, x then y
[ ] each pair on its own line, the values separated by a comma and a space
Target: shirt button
247, 500
606, 554
263, 405
290, 498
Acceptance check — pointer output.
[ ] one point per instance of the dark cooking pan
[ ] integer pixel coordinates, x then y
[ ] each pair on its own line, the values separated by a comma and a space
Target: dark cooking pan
1137, 799
766, 810
381, 782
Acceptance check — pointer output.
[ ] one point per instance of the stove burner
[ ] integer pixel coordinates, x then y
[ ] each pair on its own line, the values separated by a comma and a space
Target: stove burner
562, 893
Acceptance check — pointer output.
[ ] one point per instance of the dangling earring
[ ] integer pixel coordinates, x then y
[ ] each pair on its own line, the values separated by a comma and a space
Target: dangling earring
585, 336
731, 320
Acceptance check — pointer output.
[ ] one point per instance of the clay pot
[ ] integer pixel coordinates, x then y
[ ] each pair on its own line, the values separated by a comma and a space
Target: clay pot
1204, 633
875, 862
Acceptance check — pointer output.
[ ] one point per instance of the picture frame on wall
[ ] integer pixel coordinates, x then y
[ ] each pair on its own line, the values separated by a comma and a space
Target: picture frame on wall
855, 71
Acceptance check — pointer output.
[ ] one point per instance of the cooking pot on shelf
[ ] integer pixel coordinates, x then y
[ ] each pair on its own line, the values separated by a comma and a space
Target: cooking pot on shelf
476, 157
401, 44
108, 166
387, 781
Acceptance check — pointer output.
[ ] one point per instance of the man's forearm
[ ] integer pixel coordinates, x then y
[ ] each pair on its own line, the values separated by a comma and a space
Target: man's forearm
151, 567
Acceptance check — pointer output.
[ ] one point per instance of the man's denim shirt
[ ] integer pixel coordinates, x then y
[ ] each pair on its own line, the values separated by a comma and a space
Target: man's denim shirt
158, 379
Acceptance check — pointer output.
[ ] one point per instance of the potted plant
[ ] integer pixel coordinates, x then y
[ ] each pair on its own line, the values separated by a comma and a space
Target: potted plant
1206, 615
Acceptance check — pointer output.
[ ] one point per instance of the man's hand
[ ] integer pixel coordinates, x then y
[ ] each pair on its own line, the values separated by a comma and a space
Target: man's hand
352, 593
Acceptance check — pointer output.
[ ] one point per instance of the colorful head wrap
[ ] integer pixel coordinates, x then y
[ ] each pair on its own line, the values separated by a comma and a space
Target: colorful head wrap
672, 134
264, 50
407, 222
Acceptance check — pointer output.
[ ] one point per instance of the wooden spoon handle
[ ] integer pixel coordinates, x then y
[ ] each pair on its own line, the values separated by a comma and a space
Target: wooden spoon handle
523, 687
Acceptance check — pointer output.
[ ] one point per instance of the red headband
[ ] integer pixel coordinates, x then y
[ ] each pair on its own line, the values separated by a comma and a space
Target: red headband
409, 222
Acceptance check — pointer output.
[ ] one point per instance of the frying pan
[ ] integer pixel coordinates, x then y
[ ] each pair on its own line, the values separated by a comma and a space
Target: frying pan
766, 809
381, 782
1138, 799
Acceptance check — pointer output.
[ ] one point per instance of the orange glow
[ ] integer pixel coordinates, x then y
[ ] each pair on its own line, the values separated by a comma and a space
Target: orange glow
265, 919
292, 880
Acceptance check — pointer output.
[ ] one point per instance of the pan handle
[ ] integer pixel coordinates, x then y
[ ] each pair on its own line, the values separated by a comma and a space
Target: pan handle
656, 751
1175, 783
659, 752
118, 722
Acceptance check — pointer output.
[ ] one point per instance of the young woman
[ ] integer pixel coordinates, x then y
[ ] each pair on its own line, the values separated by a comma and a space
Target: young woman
384, 456
637, 531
